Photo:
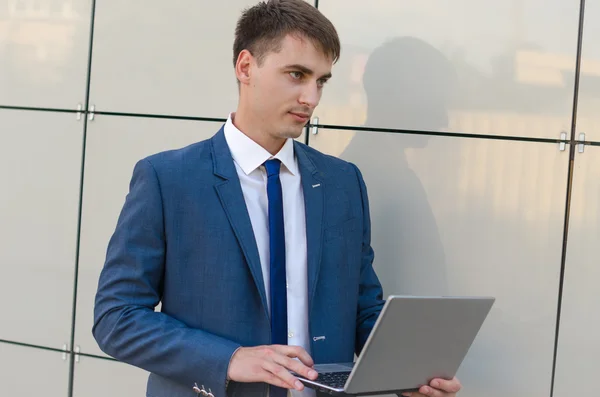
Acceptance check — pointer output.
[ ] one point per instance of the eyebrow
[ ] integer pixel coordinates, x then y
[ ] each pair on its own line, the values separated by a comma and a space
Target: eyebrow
306, 70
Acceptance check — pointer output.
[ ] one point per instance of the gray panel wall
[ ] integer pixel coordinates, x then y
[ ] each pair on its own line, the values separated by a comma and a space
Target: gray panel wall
453, 111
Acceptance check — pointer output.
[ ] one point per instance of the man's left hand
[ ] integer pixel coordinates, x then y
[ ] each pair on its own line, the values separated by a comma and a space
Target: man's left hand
437, 388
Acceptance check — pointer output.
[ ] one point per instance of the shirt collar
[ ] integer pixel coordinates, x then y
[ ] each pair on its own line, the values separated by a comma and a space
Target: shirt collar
249, 155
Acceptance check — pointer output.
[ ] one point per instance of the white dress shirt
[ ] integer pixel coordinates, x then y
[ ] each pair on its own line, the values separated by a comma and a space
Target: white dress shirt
249, 157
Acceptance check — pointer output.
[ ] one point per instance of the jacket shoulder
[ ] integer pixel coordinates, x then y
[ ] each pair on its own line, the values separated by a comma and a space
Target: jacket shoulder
194, 152
330, 166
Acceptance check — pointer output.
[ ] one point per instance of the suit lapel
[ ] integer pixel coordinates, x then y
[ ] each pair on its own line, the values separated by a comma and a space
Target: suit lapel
313, 203
230, 193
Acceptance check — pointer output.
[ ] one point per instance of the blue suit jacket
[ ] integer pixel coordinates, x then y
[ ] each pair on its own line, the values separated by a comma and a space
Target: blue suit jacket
184, 239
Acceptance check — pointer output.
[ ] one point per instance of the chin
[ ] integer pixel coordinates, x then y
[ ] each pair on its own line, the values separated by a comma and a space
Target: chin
292, 132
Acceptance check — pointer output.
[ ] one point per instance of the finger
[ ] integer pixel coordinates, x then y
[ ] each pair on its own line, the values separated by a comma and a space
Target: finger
295, 352
413, 394
272, 379
450, 386
289, 381
296, 366
431, 392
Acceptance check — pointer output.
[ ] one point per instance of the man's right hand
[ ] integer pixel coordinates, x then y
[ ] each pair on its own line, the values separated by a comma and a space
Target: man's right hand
271, 364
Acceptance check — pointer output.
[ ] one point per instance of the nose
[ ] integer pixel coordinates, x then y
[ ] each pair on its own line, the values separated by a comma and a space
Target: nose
310, 96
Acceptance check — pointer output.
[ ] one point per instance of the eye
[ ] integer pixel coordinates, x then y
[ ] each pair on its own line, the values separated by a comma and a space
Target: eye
296, 75
322, 82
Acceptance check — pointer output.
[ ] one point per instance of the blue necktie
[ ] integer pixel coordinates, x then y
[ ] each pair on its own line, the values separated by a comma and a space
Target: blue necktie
277, 262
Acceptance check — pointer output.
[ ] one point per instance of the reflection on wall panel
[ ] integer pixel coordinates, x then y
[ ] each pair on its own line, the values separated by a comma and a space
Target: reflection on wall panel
578, 342
423, 65
466, 216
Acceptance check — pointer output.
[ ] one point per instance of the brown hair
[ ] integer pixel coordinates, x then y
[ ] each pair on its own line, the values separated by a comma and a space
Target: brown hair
261, 28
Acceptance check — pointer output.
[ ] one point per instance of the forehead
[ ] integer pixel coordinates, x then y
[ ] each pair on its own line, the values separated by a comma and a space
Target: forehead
295, 49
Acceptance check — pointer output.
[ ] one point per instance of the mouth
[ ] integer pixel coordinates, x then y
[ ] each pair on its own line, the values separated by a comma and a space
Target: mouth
300, 117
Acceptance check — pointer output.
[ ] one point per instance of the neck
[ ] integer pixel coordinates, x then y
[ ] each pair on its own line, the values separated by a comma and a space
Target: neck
254, 128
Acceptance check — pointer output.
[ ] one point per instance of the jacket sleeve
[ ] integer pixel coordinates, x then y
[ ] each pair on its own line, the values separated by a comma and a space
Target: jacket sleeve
370, 299
126, 326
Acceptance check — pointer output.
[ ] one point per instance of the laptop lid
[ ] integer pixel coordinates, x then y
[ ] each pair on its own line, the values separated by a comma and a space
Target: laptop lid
416, 339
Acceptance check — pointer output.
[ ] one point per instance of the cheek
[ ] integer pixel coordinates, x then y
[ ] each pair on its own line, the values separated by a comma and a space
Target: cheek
283, 94
320, 95
275, 96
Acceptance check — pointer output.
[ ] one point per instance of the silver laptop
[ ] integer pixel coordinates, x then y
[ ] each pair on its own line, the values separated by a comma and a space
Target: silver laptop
415, 339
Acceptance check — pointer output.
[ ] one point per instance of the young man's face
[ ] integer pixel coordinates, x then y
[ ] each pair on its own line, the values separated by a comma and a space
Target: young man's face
285, 89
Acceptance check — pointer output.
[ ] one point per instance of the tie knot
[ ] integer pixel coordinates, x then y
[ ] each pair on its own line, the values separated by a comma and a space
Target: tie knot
273, 166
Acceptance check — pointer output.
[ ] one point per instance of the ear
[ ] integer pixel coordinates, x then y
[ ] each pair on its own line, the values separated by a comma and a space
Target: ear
243, 66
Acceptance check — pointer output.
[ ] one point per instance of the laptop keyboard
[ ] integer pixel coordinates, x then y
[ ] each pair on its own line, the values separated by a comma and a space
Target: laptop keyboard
334, 379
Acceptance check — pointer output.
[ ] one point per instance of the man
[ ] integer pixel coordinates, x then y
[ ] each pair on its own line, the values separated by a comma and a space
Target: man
258, 247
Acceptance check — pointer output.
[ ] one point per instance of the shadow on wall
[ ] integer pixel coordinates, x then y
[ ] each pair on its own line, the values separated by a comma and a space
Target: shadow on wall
408, 84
